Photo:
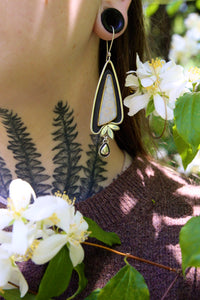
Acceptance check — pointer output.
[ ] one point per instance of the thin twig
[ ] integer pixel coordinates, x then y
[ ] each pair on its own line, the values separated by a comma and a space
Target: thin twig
133, 257
169, 288
162, 133
17, 286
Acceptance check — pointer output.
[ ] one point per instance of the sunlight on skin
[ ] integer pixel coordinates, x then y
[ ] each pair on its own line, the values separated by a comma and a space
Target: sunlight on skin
43, 27
39, 14
73, 8
36, 40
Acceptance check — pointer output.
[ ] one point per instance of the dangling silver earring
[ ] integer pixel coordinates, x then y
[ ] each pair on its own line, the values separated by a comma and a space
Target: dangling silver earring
107, 112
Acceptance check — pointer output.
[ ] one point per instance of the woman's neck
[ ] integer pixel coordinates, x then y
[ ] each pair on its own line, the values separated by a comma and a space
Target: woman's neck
45, 128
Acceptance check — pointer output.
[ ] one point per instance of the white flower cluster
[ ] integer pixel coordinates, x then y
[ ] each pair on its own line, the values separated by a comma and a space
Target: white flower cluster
192, 168
156, 85
187, 46
39, 230
157, 82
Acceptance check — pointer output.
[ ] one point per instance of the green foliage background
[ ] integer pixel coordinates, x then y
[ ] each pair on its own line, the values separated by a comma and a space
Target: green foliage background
163, 19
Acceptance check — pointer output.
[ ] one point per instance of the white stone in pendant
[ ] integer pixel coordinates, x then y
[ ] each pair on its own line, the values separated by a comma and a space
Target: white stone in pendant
108, 109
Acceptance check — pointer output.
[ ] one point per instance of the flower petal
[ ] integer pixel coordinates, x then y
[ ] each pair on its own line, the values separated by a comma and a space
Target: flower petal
136, 102
162, 109
19, 237
132, 81
148, 81
65, 218
5, 217
5, 237
48, 248
76, 254
5, 265
79, 220
18, 279
143, 69
44, 207
20, 192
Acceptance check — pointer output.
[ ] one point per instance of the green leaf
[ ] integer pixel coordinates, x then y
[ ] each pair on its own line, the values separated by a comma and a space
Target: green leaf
157, 125
82, 280
114, 127
104, 130
187, 118
127, 284
150, 108
14, 294
198, 4
148, 2
57, 276
108, 238
110, 133
151, 9
93, 295
173, 7
186, 152
189, 239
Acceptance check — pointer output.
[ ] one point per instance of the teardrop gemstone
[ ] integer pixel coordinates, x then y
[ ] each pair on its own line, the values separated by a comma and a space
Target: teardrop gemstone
104, 150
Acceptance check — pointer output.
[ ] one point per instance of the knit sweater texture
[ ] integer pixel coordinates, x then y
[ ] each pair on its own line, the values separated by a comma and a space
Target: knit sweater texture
146, 206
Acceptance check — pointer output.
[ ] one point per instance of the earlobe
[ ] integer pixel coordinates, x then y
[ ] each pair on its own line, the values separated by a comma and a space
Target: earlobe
111, 14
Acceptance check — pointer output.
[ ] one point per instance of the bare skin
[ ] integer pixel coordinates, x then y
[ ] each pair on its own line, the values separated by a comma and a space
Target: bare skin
49, 53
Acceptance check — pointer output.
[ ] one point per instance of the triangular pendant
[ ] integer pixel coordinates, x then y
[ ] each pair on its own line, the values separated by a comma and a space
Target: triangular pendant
107, 105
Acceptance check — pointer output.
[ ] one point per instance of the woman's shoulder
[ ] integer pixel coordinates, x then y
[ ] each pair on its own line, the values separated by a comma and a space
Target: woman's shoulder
145, 185
148, 174
146, 205
156, 176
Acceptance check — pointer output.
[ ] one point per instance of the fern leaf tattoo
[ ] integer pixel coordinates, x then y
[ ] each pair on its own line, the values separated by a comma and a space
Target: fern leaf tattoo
24, 151
90, 185
66, 174
5, 179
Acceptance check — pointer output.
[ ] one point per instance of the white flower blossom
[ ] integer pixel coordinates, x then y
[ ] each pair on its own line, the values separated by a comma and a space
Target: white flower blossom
73, 231
20, 193
192, 23
39, 230
192, 20
183, 48
10, 272
192, 168
193, 78
157, 81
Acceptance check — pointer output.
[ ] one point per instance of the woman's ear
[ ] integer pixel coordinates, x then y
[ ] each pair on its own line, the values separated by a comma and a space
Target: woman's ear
122, 7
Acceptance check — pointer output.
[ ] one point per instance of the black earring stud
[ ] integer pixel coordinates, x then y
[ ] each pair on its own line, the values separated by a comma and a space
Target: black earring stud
112, 18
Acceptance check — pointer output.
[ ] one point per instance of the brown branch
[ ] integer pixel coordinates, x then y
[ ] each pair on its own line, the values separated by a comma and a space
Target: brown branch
127, 255
17, 286
153, 134
169, 288
133, 257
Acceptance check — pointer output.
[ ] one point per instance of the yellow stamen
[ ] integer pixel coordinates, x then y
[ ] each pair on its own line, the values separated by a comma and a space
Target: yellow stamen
154, 88
75, 238
65, 197
2, 291
28, 255
16, 214
156, 63
54, 219
194, 73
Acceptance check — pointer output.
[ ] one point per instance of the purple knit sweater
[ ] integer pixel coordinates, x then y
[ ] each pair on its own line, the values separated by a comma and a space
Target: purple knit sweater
146, 206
